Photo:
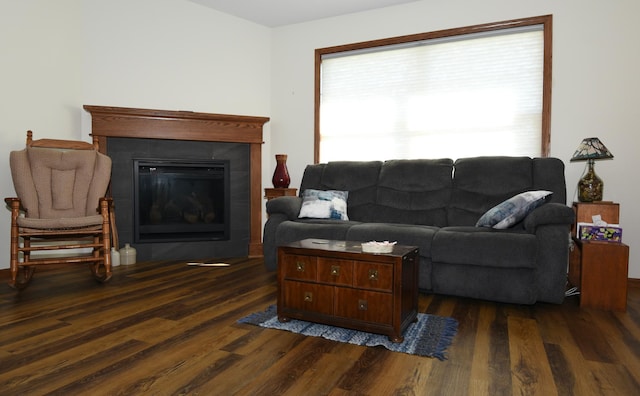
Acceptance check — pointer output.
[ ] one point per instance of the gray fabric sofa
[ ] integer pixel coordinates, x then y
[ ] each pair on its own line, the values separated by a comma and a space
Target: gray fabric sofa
434, 204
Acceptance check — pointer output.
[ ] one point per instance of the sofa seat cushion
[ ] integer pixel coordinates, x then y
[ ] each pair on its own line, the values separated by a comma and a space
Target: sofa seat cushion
404, 234
290, 231
484, 247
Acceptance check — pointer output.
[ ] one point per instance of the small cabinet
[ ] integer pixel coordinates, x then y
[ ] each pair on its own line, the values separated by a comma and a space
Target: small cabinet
601, 273
599, 269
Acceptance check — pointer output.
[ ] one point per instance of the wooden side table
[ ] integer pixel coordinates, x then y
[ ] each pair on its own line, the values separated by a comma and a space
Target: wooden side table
599, 269
270, 193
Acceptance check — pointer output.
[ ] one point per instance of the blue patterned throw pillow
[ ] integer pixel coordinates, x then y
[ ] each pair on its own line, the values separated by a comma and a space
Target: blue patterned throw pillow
513, 210
319, 204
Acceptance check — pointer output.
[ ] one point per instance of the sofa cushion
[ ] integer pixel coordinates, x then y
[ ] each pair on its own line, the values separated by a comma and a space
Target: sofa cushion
548, 174
413, 192
321, 204
481, 183
405, 234
360, 178
290, 231
509, 285
513, 210
484, 247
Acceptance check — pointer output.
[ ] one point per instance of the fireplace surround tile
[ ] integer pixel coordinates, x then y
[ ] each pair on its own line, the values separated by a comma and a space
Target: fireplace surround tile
124, 150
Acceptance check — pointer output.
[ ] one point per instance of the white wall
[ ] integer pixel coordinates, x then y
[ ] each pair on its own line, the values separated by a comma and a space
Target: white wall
160, 54
39, 87
596, 84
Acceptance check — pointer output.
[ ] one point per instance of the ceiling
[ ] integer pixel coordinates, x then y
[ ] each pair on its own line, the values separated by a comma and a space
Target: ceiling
274, 13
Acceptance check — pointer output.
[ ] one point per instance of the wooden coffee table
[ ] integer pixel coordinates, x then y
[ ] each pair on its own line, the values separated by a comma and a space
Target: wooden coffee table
335, 283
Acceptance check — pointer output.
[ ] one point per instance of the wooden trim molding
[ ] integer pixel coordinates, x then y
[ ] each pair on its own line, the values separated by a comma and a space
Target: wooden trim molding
125, 122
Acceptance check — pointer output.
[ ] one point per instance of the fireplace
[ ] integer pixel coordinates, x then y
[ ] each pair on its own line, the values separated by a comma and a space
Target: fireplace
177, 200
126, 134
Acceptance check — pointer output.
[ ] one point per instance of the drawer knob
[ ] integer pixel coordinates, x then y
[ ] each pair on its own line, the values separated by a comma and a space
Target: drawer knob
362, 305
308, 297
373, 274
299, 266
335, 270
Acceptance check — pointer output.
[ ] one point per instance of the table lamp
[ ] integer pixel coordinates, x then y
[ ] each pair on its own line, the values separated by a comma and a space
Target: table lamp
590, 186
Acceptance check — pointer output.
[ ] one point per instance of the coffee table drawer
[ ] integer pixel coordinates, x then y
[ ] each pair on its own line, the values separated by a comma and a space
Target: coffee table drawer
309, 297
335, 271
373, 276
367, 306
299, 267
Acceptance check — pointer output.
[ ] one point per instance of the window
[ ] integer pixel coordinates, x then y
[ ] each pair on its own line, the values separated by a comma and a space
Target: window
479, 90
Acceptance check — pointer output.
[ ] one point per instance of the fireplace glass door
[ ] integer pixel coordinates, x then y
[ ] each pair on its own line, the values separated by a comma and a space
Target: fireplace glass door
178, 200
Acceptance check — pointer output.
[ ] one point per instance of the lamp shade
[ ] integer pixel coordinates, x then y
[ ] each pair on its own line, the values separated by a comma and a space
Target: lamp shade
591, 149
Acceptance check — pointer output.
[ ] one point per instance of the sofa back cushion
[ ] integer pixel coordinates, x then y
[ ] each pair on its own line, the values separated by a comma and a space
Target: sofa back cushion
359, 178
480, 183
548, 174
413, 192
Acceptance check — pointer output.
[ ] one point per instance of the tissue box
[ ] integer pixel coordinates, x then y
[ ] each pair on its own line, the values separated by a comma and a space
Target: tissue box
608, 233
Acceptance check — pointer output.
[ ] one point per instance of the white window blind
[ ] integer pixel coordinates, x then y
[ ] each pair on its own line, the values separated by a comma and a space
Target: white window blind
475, 94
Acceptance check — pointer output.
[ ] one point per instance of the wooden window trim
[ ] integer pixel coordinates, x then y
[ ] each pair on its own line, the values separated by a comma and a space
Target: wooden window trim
545, 20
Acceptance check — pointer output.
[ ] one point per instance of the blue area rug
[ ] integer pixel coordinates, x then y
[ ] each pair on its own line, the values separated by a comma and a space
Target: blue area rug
430, 336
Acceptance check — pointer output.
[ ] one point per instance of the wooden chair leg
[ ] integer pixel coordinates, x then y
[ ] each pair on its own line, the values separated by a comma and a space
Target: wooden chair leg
102, 268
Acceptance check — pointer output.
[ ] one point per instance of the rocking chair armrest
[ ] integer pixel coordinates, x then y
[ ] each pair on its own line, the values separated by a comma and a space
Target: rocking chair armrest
14, 203
107, 202
8, 200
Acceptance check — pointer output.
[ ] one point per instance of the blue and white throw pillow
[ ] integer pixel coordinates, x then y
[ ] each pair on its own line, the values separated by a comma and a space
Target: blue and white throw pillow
319, 204
513, 210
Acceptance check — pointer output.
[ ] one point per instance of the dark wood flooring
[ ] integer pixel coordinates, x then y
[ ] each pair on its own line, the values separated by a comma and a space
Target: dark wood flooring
164, 328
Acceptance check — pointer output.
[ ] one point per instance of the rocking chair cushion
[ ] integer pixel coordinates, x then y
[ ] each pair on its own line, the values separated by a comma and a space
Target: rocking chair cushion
61, 223
57, 183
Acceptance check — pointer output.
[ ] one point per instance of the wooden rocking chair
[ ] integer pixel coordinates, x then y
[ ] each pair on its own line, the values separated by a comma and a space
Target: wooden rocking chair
60, 204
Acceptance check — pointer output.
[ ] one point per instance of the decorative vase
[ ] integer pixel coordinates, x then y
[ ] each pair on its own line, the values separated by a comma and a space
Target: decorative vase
281, 177
127, 255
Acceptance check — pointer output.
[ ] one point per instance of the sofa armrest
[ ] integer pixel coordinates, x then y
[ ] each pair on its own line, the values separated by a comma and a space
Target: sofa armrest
287, 205
550, 213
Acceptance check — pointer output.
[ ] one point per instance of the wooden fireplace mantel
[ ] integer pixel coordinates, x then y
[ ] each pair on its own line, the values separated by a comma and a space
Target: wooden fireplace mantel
122, 122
